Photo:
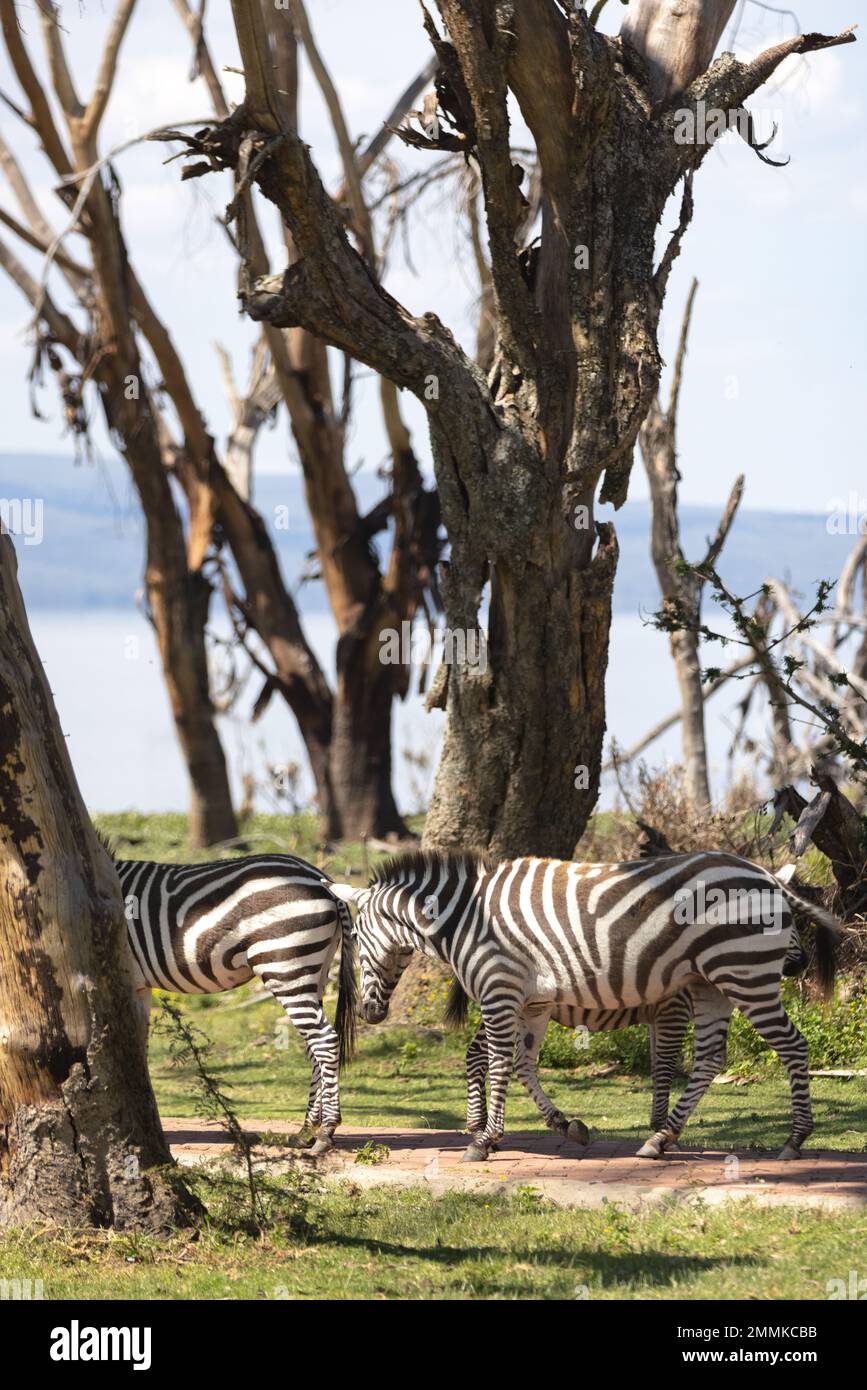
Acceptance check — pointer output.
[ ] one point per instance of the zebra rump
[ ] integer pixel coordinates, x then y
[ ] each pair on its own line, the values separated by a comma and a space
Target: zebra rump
209, 927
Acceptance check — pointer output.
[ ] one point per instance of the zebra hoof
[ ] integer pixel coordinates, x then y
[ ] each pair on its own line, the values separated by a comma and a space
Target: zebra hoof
789, 1151
476, 1138
655, 1146
475, 1153
305, 1138
578, 1132
322, 1146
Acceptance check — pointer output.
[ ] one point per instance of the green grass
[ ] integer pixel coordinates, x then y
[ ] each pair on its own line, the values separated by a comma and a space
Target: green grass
408, 1077
164, 837
384, 1243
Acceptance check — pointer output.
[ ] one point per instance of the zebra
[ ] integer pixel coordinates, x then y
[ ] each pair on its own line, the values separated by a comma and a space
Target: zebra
205, 928
531, 935
667, 1023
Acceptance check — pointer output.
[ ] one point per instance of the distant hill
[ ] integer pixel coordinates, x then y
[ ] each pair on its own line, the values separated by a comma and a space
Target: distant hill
91, 553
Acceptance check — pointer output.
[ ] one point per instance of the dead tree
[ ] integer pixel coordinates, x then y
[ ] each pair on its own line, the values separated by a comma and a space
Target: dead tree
519, 453
106, 352
79, 1133
681, 586
347, 735
348, 732
823, 657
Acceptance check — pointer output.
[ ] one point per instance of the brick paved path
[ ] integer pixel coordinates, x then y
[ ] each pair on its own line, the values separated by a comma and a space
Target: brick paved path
563, 1172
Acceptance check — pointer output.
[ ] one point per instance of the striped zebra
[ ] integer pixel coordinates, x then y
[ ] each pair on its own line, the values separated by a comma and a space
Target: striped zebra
204, 928
531, 935
667, 1023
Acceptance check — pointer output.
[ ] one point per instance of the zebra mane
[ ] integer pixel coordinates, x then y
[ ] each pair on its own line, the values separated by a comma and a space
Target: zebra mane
417, 862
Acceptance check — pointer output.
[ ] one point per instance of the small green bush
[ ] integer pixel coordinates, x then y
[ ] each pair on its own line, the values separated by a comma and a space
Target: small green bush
836, 1035
627, 1048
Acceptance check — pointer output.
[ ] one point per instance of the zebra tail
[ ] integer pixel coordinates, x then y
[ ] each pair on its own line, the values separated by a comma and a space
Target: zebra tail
347, 989
828, 929
457, 1005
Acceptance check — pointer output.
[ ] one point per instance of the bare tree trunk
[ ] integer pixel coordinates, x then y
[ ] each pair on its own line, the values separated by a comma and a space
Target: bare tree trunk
681, 590
520, 765
360, 760
177, 592
676, 38
79, 1132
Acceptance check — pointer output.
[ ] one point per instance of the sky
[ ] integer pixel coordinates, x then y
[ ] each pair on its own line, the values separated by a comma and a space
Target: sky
776, 369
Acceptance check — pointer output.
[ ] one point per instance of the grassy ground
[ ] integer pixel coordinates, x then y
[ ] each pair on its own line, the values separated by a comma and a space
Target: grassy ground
415, 1077
345, 1242
382, 1243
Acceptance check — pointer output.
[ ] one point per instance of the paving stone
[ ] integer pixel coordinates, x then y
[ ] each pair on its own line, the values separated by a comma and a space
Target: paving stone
565, 1173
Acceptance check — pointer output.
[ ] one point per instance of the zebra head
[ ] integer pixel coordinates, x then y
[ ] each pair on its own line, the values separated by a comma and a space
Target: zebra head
383, 954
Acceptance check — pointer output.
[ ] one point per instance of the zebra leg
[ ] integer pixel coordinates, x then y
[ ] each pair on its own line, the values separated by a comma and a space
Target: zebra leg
531, 1032
667, 1032
771, 1022
305, 1011
306, 1136
712, 1013
500, 1033
477, 1071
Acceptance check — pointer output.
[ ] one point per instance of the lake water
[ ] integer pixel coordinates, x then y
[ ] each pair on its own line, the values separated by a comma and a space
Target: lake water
104, 671
79, 584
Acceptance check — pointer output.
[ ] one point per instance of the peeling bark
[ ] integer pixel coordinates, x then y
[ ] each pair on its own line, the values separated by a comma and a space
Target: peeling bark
80, 1138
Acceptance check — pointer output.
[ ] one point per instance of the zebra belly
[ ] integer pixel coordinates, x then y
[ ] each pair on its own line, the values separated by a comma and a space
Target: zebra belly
225, 979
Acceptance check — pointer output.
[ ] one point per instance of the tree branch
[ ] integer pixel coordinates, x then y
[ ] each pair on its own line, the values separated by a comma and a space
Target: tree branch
729, 82
351, 175
61, 76
40, 118
107, 70
380, 140
203, 61
540, 75
677, 375
725, 524
480, 44
59, 325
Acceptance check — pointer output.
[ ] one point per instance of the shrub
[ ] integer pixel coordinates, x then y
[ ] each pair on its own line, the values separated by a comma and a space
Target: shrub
836, 1036
627, 1048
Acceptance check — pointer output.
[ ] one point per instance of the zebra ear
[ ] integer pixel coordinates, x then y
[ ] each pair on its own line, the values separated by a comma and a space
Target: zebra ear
344, 891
